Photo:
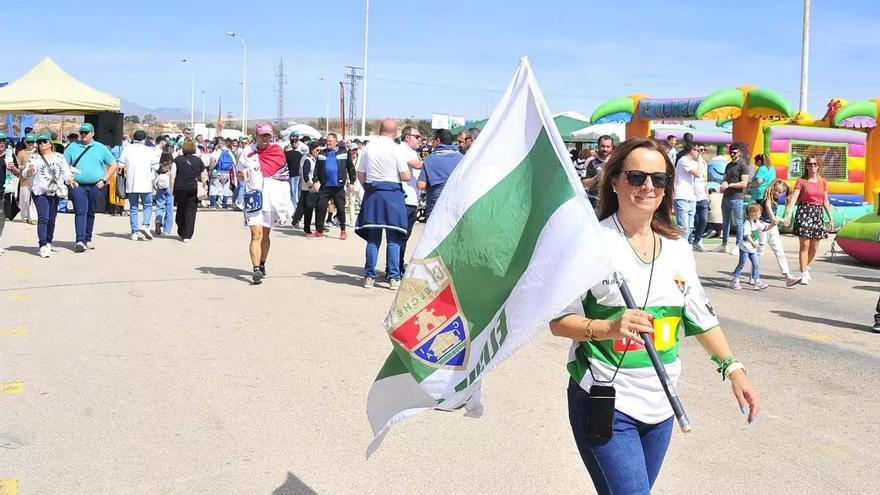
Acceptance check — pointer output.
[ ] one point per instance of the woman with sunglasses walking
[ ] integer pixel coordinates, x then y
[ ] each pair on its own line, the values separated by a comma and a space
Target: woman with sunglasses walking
623, 444
811, 197
50, 175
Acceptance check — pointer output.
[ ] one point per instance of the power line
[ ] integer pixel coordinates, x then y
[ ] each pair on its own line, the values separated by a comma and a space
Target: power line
486, 90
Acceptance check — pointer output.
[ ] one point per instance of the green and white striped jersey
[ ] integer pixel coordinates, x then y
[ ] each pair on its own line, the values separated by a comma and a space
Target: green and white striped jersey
678, 304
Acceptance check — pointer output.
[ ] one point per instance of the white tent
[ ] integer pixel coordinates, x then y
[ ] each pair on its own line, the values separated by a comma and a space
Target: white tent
303, 130
47, 89
573, 115
616, 130
658, 127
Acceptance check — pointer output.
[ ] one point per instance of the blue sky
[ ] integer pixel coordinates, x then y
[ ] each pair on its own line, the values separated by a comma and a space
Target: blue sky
450, 57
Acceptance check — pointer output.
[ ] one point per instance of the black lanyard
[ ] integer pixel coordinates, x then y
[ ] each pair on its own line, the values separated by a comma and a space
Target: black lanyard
645, 305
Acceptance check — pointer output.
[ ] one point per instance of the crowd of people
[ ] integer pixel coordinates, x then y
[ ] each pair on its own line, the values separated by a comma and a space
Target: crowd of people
743, 206
312, 184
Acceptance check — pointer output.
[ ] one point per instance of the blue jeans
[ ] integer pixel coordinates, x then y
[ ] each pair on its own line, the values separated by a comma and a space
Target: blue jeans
224, 201
85, 198
140, 198
630, 461
392, 252
294, 189
239, 192
700, 220
731, 209
756, 265
165, 209
47, 210
684, 216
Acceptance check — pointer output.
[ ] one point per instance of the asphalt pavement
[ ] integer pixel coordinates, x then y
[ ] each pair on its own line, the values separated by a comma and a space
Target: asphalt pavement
155, 367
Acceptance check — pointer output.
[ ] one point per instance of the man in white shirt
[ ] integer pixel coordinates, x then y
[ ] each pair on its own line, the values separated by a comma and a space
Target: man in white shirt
685, 202
410, 141
382, 169
140, 164
671, 152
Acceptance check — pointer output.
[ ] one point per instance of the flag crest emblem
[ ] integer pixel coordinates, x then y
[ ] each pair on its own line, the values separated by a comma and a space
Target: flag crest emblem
426, 318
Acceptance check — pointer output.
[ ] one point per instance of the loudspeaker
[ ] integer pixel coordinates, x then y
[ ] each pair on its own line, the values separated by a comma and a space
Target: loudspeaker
108, 127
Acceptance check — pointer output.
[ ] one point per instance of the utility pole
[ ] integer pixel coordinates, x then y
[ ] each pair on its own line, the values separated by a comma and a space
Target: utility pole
353, 77
281, 80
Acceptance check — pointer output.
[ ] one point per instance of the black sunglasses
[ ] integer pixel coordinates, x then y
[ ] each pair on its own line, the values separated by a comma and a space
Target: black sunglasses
42, 141
637, 178
417, 136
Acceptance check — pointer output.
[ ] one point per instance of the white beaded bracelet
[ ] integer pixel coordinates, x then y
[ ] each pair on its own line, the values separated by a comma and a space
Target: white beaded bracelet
733, 367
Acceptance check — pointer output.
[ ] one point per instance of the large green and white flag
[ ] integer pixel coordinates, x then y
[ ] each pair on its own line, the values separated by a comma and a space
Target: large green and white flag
511, 242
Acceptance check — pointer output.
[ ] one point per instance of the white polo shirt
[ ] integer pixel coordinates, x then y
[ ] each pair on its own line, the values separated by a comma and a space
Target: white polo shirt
382, 161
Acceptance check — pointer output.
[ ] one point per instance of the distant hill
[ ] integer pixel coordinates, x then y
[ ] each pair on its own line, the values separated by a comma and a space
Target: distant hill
163, 113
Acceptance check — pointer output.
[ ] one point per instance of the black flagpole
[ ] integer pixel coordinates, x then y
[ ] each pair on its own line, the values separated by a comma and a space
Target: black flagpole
668, 387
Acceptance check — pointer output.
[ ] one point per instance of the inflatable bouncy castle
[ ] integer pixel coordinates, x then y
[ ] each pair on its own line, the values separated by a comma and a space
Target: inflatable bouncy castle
846, 140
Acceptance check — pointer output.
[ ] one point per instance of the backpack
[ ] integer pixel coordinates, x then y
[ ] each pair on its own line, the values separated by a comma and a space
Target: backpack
225, 163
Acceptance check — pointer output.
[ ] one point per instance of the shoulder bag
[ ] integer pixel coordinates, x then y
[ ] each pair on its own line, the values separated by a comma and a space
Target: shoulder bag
120, 184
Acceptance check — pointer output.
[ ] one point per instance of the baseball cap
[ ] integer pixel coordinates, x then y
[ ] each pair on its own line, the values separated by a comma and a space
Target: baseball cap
264, 128
30, 137
352, 146
294, 134
86, 127
2, 136
45, 136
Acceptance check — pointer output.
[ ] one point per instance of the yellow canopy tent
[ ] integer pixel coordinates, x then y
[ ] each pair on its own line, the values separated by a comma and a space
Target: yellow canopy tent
47, 89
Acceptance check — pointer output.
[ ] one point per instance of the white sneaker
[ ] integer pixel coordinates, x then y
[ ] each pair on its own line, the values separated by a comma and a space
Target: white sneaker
44, 251
699, 247
2, 251
791, 281
52, 248
805, 278
145, 231
720, 249
135, 237
186, 241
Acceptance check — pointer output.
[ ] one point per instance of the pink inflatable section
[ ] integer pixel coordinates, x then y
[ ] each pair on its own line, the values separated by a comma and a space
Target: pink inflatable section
865, 251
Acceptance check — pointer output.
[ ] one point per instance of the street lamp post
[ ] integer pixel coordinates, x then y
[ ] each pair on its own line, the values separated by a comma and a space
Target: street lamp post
203, 108
326, 107
366, 45
244, 82
192, 94
805, 57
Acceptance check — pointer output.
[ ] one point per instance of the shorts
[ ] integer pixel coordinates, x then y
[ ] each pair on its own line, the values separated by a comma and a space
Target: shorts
277, 208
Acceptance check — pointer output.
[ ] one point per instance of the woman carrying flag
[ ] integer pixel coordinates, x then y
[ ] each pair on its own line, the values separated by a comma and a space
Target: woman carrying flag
619, 414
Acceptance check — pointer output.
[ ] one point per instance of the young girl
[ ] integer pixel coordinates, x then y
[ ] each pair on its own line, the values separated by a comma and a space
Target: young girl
164, 198
753, 232
777, 190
